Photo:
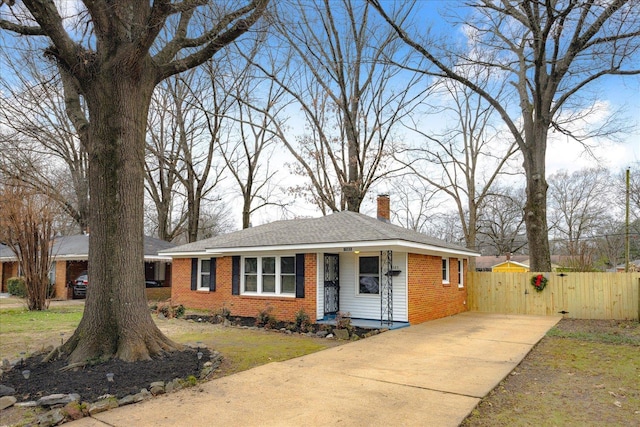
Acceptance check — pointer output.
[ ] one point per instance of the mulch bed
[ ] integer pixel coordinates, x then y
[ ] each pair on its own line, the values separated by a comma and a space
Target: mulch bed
90, 381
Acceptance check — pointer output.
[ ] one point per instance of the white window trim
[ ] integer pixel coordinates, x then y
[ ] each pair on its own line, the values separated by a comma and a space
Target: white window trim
460, 273
445, 280
357, 278
278, 293
202, 287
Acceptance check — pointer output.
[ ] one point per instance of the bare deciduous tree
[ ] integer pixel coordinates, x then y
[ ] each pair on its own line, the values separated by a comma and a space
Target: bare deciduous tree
501, 222
465, 159
26, 227
340, 75
413, 203
552, 52
610, 243
249, 150
112, 59
182, 171
168, 217
39, 146
578, 204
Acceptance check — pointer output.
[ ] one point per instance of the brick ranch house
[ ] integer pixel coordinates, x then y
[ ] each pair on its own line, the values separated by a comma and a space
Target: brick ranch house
344, 262
69, 260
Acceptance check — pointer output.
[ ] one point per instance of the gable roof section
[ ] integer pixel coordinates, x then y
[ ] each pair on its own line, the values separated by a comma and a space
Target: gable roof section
76, 247
511, 262
6, 253
339, 230
487, 261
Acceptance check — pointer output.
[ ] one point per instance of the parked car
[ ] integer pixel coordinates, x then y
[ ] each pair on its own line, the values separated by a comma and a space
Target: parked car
80, 285
152, 284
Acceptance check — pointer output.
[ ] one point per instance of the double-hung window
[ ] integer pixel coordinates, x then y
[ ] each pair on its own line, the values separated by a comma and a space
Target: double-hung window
369, 275
204, 274
288, 275
461, 273
445, 270
251, 274
270, 275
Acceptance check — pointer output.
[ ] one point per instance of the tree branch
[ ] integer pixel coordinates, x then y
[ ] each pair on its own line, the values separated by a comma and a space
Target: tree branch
46, 14
73, 105
215, 39
23, 30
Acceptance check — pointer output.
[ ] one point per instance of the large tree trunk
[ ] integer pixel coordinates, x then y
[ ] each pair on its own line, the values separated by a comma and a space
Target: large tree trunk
535, 210
117, 321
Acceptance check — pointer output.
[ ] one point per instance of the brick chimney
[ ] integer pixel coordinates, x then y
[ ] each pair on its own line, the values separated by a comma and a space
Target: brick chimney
384, 211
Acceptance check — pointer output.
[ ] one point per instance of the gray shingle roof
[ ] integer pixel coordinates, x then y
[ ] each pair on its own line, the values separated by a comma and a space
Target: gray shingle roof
79, 244
68, 246
5, 252
71, 245
339, 227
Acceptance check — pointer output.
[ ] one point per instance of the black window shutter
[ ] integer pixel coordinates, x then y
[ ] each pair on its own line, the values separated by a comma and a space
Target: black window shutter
235, 275
299, 275
212, 275
194, 274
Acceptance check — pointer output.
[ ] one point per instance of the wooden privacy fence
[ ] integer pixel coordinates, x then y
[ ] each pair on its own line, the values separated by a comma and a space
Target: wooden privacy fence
579, 295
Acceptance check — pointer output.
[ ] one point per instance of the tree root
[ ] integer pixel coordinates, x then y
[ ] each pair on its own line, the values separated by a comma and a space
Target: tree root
52, 353
73, 366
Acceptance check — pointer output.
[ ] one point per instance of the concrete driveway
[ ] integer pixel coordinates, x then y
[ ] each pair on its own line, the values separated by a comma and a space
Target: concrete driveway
432, 374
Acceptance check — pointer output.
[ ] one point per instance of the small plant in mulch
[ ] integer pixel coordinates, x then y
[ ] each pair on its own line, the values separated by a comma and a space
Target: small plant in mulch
75, 410
168, 310
222, 314
343, 321
303, 321
265, 319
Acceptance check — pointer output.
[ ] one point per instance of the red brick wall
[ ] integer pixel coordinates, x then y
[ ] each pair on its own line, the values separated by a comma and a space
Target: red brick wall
240, 305
61, 280
428, 297
9, 270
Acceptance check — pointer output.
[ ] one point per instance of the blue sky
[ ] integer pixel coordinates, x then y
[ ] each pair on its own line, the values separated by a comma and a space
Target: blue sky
614, 92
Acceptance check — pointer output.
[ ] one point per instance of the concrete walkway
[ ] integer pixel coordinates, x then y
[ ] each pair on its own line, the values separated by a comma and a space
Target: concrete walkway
432, 374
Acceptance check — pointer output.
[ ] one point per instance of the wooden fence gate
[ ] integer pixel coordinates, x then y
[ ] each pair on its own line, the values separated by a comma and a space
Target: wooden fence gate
576, 295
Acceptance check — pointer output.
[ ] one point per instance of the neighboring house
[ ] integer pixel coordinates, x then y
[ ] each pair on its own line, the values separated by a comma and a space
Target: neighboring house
8, 266
344, 262
487, 263
70, 258
516, 263
633, 266
510, 267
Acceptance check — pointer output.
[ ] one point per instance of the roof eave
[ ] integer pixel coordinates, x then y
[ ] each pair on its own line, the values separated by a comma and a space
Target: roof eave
332, 246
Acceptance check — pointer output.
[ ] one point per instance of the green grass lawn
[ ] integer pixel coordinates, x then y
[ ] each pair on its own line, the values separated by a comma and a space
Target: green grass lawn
244, 348
578, 376
32, 331
27, 331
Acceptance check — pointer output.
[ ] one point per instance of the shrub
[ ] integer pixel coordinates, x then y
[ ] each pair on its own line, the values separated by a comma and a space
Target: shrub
266, 319
170, 311
223, 313
17, 287
303, 321
178, 310
343, 321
